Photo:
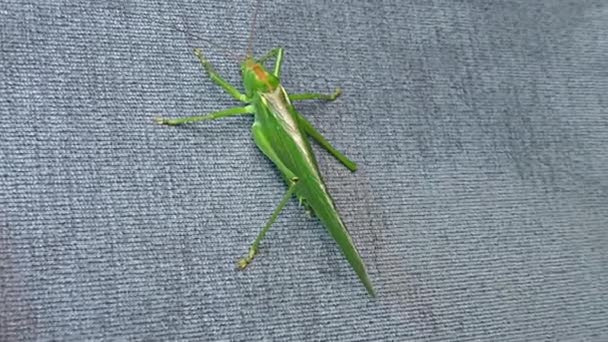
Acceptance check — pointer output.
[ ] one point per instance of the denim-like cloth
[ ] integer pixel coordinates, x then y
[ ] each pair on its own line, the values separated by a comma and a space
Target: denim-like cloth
480, 205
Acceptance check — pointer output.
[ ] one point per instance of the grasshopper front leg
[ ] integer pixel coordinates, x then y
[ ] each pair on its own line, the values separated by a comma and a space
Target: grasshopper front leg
215, 77
278, 53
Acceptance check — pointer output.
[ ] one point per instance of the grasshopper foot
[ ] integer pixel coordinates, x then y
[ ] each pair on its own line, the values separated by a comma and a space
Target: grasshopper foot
335, 95
199, 54
164, 121
244, 262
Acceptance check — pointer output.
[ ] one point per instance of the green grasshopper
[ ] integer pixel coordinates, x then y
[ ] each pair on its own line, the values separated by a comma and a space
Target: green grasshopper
281, 133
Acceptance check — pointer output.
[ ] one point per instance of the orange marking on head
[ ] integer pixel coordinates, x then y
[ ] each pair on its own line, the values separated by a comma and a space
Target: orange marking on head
261, 74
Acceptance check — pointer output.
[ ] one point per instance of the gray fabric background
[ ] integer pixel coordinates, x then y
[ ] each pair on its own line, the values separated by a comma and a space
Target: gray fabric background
480, 205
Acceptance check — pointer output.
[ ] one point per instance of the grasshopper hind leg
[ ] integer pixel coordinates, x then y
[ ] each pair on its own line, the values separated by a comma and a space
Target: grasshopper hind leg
307, 207
253, 250
292, 181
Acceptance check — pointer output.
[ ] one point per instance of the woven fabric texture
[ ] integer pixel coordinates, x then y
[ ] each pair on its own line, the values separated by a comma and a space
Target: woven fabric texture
480, 204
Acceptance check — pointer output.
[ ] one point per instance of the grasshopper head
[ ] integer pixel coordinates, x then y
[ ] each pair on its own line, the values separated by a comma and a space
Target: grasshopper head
256, 78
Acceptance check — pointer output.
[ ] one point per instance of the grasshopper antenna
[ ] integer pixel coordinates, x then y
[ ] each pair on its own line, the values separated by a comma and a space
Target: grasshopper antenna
252, 30
186, 31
